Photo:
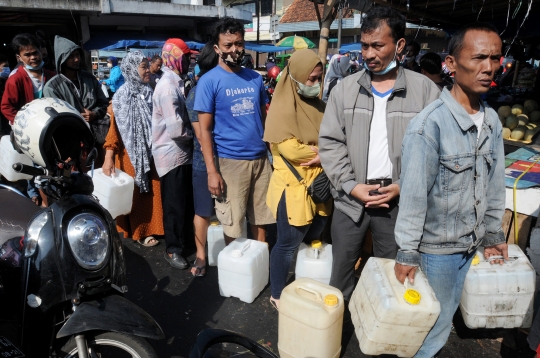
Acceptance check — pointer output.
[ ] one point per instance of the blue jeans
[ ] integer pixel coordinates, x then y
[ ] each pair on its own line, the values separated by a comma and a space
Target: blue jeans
288, 239
446, 276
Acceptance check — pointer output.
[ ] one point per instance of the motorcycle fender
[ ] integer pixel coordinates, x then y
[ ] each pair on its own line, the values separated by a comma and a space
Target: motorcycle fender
112, 313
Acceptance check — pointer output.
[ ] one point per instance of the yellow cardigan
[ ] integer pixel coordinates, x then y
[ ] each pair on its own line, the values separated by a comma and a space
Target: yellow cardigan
300, 207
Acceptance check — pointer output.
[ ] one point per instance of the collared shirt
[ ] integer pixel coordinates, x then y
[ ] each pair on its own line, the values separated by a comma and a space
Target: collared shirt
452, 182
172, 137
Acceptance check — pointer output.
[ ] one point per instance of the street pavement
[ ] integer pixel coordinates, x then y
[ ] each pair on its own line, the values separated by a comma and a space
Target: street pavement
185, 305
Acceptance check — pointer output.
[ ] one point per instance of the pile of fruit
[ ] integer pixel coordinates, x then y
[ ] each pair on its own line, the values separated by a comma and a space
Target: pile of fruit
520, 122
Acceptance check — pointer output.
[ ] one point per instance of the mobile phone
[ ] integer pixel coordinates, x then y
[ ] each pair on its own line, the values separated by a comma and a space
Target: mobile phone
374, 192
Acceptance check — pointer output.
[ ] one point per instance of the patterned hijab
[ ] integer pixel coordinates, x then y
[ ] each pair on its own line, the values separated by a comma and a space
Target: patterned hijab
132, 106
172, 53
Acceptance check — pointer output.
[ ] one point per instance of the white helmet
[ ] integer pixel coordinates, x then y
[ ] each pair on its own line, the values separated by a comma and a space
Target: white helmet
47, 128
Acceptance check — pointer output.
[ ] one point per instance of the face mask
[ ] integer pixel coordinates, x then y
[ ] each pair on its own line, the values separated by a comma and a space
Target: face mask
109, 65
388, 68
37, 68
5, 72
307, 91
409, 58
229, 60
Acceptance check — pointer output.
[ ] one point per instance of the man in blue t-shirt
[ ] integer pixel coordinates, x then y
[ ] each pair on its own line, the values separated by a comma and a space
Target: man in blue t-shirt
231, 102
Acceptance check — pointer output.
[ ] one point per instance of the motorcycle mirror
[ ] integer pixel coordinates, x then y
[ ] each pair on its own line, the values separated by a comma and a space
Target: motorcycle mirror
91, 157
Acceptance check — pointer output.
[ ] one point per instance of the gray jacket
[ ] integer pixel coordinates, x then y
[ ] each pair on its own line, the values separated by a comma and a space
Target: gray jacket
344, 133
89, 96
452, 194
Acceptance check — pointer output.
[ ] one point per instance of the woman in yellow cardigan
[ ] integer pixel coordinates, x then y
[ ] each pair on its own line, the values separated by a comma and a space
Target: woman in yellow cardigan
292, 129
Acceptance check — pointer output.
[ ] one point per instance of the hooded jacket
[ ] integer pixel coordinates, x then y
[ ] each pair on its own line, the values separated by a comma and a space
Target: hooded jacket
89, 96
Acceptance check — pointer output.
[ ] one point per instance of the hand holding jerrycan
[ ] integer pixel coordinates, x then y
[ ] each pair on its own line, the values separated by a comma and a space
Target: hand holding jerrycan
310, 320
115, 192
390, 317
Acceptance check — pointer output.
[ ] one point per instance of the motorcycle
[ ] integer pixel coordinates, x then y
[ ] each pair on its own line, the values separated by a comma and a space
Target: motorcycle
62, 267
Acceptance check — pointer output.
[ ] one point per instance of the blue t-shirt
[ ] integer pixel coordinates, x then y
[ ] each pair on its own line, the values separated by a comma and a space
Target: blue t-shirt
198, 159
235, 100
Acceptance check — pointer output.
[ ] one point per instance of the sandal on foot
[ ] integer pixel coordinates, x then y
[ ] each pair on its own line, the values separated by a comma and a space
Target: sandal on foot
148, 241
274, 303
200, 271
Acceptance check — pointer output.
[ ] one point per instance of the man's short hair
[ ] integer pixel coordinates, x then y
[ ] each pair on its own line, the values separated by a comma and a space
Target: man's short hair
415, 46
373, 20
23, 40
155, 58
456, 42
227, 25
208, 59
431, 63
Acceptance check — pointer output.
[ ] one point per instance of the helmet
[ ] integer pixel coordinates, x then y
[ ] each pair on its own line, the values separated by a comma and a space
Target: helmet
274, 72
49, 129
271, 58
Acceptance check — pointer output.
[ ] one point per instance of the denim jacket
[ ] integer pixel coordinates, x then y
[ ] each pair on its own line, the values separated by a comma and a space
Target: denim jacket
452, 184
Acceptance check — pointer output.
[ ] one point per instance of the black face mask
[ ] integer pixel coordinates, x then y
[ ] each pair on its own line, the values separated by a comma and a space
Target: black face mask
230, 60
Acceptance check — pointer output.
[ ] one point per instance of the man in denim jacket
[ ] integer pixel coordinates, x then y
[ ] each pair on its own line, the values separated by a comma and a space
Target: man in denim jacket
452, 179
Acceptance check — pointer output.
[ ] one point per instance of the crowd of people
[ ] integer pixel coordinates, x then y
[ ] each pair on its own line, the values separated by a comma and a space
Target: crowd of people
408, 155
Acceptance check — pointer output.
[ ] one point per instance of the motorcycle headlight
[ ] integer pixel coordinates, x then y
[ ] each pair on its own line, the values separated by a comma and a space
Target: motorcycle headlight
89, 240
32, 233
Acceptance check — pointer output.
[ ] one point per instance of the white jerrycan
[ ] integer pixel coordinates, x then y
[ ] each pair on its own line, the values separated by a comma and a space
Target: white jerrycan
310, 320
115, 193
216, 241
243, 269
390, 318
314, 261
8, 157
499, 296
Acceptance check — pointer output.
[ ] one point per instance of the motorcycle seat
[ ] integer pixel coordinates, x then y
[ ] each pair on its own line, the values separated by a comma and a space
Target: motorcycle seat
15, 213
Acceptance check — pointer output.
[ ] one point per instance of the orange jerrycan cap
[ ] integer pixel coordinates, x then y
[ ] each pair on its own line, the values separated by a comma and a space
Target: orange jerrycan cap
316, 244
475, 260
330, 300
412, 297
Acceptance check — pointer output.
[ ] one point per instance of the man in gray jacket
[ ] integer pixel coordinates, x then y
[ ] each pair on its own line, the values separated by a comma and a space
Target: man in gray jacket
360, 143
79, 88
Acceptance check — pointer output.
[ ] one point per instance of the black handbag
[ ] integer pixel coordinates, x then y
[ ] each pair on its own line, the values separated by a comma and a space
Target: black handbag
319, 190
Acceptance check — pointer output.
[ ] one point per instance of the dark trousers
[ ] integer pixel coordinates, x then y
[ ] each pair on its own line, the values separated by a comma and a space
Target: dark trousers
176, 199
348, 238
289, 239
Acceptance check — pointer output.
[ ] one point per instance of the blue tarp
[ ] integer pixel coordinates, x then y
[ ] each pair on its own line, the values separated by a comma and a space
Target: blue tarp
350, 47
265, 47
148, 44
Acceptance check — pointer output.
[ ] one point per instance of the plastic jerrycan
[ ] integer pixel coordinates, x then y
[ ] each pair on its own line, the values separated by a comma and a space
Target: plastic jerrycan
243, 269
216, 241
115, 193
314, 261
390, 317
310, 320
499, 296
8, 157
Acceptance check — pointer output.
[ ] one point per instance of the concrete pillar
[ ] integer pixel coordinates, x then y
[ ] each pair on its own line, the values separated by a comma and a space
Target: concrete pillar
85, 29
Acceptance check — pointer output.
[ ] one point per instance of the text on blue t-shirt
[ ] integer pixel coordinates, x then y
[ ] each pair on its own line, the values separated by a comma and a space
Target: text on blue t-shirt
235, 100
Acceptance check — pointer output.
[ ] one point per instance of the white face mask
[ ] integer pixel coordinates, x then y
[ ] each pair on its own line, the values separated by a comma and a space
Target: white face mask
109, 65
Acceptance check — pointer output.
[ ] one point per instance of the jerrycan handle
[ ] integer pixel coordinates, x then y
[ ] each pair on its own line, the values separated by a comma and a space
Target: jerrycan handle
317, 294
239, 253
511, 259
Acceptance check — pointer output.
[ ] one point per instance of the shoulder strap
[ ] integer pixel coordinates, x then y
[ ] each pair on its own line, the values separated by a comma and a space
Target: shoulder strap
291, 168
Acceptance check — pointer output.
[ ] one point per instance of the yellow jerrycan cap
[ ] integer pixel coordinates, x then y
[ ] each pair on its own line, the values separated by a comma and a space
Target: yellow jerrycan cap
215, 222
412, 297
475, 260
330, 300
316, 244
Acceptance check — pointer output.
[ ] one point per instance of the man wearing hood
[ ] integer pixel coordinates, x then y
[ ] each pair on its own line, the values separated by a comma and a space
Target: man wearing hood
75, 86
